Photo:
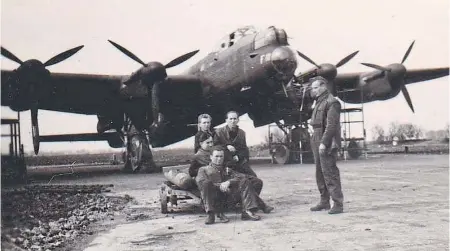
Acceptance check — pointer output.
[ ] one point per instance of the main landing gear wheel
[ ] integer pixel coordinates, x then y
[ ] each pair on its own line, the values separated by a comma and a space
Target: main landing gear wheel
134, 154
353, 149
280, 154
138, 155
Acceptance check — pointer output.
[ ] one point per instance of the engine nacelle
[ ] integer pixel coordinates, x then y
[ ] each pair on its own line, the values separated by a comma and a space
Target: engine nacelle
294, 109
378, 86
27, 84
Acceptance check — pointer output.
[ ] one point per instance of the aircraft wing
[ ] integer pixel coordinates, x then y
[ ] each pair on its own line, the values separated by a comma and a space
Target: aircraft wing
347, 81
413, 76
67, 92
351, 80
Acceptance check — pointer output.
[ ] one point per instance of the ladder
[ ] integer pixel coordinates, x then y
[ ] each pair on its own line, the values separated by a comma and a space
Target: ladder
353, 130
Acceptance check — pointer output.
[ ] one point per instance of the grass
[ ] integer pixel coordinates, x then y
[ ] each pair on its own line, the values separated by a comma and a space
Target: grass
164, 157
422, 147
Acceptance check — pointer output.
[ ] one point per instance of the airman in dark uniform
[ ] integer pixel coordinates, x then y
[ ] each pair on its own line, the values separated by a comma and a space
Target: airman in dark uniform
215, 182
232, 138
325, 143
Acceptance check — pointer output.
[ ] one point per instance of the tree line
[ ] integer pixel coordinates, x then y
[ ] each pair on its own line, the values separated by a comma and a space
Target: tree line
407, 131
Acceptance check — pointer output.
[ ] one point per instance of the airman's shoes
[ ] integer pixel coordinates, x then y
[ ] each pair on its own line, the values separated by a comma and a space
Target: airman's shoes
336, 209
268, 209
222, 218
248, 215
210, 219
321, 206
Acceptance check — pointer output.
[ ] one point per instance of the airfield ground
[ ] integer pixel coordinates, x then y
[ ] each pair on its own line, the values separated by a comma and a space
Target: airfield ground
392, 202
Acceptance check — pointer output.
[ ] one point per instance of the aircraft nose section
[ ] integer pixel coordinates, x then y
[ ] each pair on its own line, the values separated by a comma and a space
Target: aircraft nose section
283, 60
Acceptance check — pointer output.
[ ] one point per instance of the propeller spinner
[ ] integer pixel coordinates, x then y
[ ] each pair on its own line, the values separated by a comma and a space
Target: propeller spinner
35, 68
397, 71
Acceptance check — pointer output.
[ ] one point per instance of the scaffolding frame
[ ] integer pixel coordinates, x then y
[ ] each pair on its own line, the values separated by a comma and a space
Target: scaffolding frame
346, 126
13, 165
15, 145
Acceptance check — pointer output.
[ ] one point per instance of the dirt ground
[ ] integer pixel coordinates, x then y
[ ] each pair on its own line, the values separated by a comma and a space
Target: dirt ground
398, 202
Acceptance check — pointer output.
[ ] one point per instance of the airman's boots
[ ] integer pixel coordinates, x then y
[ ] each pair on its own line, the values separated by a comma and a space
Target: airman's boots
222, 218
250, 215
268, 209
337, 208
211, 218
321, 206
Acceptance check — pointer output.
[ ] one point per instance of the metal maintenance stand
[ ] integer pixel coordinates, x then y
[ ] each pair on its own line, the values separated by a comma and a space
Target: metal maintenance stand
353, 141
14, 170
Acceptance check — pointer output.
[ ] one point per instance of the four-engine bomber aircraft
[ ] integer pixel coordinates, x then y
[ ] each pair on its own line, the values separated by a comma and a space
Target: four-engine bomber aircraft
250, 72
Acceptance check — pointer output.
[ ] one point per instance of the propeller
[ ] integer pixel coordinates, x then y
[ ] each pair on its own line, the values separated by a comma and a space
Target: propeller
63, 56
378, 67
36, 66
54, 60
181, 59
346, 59
9, 55
327, 71
127, 52
398, 71
172, 63
155, 73
154, 69
307, 59
407, 52
407, 97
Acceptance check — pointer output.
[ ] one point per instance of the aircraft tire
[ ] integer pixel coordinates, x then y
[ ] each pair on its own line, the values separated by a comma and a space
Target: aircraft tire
134, 154
353, 149
281, 154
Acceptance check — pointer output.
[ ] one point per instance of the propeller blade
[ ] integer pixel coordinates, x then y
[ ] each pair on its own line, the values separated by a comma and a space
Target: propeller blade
408, 51
407, 97
346, 59
127, 52
62, 56
7, 54
181, 59
307, 59
381, 68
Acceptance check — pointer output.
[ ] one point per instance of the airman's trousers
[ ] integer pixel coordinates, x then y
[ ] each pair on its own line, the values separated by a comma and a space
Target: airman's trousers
214, 200
257, 185
327, 173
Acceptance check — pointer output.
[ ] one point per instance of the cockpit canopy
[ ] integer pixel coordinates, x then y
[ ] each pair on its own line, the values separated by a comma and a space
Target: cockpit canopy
263, 37
233, 37
270, 36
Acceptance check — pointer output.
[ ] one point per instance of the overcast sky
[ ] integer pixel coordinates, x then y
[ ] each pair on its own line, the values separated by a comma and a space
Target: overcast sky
326, 31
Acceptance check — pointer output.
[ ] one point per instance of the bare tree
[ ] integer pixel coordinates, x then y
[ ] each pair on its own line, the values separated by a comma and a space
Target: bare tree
394, 131
440, 135
378, 134
404, 131
410, 131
